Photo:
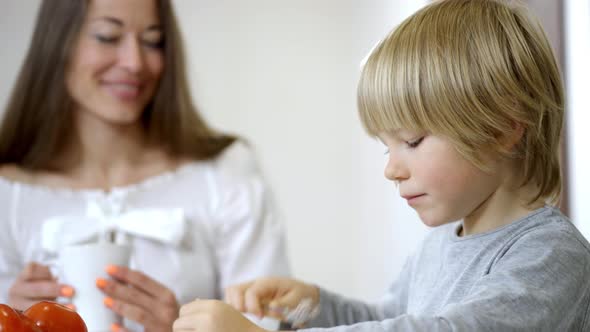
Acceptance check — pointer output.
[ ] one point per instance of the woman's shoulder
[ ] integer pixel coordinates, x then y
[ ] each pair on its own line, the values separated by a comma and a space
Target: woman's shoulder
15, 173
10, 176
237, 160
236, 170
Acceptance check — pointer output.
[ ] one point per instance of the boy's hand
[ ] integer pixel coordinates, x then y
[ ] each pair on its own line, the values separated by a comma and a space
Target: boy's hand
269, 296
212, 316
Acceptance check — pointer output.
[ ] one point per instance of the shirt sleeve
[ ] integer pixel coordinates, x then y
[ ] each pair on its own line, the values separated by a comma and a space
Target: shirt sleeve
336, 310
10, 259
539, 284
250, 240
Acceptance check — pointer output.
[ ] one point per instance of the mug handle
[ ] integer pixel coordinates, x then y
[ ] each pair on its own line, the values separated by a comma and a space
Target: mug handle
52, 261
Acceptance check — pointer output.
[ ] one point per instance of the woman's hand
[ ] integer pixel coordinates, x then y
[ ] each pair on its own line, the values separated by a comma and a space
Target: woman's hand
212, 316
138, 297
36, 283
270, 296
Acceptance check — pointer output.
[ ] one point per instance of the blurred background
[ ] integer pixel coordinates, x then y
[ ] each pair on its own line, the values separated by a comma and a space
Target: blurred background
283, 74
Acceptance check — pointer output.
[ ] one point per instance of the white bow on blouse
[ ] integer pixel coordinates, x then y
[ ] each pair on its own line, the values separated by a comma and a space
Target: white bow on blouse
162, 225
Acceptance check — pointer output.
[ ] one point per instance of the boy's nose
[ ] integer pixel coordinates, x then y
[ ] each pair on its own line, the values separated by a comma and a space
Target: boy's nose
395, 170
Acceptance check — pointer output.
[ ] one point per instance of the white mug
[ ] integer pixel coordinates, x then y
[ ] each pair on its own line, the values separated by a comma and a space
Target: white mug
80, 266
266, 323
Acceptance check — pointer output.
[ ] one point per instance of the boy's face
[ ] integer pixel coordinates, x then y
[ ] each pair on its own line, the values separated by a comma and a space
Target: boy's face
434, 178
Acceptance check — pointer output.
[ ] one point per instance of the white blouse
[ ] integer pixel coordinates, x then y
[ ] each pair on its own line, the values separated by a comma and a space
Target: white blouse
232, 233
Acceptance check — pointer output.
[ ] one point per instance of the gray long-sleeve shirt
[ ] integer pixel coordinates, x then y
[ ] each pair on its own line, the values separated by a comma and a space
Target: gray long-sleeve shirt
531, 275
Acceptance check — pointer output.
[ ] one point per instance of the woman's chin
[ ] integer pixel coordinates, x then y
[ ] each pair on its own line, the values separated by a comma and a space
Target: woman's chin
119, 116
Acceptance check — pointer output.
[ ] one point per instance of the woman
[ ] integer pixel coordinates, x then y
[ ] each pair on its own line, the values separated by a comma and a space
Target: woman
101, 118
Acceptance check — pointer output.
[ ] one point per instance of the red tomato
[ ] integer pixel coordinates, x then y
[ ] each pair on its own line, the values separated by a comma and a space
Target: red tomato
9, 319
28, 324
54, 317
14, 321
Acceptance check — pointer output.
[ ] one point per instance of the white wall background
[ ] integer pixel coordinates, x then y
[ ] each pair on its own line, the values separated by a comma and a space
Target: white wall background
577, 18
16, 25
283, 74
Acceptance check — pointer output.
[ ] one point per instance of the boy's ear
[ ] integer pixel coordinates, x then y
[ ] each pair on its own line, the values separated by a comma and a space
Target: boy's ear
510, 139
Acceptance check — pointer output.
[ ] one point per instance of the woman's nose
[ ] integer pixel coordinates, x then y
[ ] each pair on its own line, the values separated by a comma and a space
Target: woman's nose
131, 56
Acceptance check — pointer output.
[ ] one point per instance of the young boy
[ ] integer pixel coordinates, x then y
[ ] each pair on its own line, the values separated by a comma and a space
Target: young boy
467, 96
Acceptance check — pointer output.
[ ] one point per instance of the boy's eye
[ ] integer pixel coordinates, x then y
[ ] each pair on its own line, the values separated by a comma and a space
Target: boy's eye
414, 143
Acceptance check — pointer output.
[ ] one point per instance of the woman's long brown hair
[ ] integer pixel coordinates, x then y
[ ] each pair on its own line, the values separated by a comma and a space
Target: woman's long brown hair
38, 117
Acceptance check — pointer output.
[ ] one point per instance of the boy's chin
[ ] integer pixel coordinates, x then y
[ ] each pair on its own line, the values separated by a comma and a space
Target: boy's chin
432, 220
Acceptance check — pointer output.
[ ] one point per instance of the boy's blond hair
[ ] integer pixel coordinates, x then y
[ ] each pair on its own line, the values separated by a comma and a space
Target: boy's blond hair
472, 71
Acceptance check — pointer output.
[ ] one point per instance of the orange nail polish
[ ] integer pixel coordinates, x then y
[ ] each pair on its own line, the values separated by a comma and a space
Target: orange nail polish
114, 327
66, 291
108, 302
101, 283
111, 269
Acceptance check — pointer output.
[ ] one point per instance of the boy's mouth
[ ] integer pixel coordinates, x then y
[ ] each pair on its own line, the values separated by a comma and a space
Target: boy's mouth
413, 198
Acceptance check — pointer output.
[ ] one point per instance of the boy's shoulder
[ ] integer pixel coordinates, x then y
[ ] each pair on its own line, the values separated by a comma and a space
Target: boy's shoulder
548, 243
547, 222
546, 238
550, 227
546, 227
